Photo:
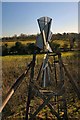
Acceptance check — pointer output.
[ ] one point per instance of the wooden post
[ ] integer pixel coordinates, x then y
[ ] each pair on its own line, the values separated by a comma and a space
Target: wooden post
14, 88
55, 73
61, 69
39, 72
75, 86
65, 110
62, 82
30, 88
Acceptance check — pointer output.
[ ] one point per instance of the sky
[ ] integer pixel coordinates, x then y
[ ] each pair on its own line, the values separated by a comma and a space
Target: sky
0, 19
21, 17
79, 17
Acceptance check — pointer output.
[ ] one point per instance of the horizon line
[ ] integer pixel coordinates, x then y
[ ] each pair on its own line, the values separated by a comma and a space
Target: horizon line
37, 33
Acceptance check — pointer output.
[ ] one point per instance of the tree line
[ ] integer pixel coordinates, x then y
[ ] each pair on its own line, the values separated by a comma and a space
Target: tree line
19, 49
58, 36
22, 49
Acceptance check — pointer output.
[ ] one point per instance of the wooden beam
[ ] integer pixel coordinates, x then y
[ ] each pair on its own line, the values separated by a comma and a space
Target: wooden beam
54, 112
14, 88
55, 72
75, 86
42, 96
30, 88
41, 107
61, 69
39, 72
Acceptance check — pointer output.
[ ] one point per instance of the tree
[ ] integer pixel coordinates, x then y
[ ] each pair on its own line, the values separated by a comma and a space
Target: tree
31, 48
5, 50
55, 46
12, 50
19, 47
65, 47
72, 40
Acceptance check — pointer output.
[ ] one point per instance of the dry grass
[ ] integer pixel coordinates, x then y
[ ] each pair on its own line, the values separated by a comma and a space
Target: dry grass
13, 66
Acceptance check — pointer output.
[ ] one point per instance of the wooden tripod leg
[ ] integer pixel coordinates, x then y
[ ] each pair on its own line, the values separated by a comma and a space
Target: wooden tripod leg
65, 110
14, 88
41, 106
71, 80
50, 66
39, 72
55, 72
62, 82
30, 88
61, 70
28, 102
53, 111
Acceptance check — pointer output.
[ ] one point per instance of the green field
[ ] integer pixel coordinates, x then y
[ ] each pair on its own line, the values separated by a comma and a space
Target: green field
13, 43
61, 42
12, 57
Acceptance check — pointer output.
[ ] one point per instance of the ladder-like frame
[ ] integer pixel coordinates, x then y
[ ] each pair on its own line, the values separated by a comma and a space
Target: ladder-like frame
42, 95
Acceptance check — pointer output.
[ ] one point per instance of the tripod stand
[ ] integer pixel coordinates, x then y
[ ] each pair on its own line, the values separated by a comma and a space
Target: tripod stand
43, 90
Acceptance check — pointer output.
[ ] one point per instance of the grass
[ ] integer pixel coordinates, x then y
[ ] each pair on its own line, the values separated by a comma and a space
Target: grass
69, 54
13, 66
62, 42
13, 43
12, 57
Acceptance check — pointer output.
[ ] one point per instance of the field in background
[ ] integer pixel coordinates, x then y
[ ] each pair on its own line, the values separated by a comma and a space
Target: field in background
61, 42
12, 57
10, 44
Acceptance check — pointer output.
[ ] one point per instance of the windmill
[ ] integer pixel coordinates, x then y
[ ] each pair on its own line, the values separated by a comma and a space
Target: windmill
51, 86
50, 83
43, 43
